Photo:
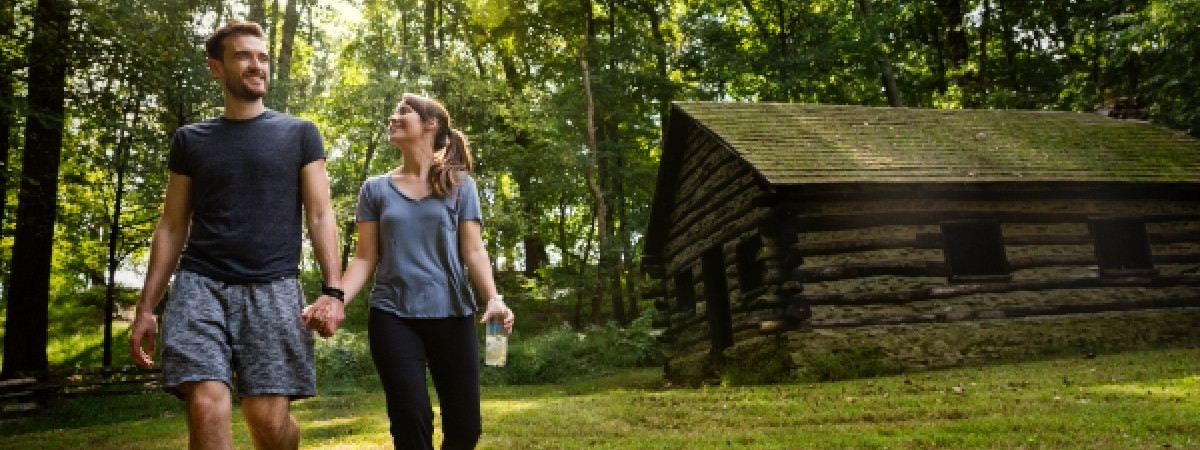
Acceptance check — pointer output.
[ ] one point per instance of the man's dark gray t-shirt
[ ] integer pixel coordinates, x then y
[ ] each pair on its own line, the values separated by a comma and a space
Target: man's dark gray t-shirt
247, 223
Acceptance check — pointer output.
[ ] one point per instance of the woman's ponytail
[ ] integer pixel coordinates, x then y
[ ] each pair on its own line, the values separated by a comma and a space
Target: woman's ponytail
451, 150
453, 157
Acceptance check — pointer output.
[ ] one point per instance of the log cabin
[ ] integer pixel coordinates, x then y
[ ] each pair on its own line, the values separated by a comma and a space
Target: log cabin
784, 235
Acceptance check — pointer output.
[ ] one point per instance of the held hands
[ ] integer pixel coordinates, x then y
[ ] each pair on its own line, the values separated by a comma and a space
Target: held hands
325, 315
497, 309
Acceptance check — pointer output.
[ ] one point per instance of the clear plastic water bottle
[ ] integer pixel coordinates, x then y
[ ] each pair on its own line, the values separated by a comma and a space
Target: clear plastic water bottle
495, 344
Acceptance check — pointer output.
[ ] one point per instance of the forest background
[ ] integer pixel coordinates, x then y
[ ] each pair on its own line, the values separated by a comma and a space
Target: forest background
564, 102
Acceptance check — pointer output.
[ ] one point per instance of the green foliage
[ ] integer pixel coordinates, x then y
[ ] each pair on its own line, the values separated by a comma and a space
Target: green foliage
630, 346
545, 358
97, 297
564, 353
344, 359
76, 328
1159, 42
510, 74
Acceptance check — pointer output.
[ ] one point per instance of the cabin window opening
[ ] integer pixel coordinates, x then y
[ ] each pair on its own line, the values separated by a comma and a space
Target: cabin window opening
716, 297
1121, 245
974, 251
750, 267
685, 292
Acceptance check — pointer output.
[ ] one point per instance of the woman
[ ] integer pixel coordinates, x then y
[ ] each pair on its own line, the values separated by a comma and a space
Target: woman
420, 235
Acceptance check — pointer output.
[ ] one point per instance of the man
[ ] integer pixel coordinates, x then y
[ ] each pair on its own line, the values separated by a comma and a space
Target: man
231, 231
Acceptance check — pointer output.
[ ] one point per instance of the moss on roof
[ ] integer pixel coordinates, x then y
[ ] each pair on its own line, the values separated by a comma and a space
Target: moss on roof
806, 143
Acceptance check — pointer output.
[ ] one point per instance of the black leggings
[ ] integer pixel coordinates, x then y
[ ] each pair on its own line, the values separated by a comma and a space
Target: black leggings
401, 348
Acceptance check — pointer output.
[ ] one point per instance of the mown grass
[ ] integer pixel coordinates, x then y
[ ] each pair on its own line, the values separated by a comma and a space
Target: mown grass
1134, 400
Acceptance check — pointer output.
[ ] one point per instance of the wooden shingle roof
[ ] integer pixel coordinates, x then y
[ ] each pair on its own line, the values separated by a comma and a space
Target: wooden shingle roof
792, 144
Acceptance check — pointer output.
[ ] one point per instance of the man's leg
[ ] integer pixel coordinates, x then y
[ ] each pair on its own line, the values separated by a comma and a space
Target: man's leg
209, 410
195, 359
271, 422
274, 361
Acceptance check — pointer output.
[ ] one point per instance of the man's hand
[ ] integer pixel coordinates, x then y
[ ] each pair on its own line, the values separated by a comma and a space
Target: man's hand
325, 315
143, 339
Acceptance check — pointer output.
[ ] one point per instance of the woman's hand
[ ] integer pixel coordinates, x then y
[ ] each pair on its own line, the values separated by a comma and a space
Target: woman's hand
325, 315
498, 310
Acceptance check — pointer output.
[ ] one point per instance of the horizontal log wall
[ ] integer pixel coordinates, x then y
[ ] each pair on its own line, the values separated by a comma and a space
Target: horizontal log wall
715, 202
876, 261
868, 269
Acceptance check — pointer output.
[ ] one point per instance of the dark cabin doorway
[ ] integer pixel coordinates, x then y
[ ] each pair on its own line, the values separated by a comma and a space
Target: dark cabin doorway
716, 294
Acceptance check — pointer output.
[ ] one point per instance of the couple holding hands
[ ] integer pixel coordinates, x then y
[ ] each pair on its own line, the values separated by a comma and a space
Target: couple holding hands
241, 189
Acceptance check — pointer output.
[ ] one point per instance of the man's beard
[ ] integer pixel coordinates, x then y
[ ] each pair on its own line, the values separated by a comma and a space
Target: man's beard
239, 89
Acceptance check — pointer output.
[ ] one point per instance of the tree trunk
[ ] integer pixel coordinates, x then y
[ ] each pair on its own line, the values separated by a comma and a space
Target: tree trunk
633, 293
782, 39
940, 68
985, 21
592, 165
612, 253
350, 233
28, 291
283, 65
599, 204
1007, 27
258, 12
430, 24
957, 50
665, 96
536, 256
271, 27
585, 289
885, 65
8, 66
114, 225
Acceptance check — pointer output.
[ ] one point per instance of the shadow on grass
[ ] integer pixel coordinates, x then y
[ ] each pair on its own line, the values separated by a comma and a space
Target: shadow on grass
331, 420
84, 412
1128, 400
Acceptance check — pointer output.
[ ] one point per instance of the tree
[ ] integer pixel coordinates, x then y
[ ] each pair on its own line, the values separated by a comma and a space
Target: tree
511, 74
283, 64
8, 110
885, 64
29, 282
591, 167
1161, 40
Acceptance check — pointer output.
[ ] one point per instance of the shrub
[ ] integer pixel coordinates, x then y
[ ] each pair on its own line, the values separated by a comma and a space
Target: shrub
546, 358
617, 346
563, 353
343, 359
553, 356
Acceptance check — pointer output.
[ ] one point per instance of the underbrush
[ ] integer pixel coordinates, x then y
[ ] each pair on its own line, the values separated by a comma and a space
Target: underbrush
565, 353
549, 357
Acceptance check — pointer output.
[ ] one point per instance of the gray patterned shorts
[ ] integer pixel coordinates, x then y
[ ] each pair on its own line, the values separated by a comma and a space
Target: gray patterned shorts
213, 330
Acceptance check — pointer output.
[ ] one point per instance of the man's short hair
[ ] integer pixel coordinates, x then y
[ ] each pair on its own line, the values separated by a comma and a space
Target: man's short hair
214, 46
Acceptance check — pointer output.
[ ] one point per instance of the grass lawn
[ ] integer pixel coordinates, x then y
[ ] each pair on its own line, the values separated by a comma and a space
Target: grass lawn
1135, 400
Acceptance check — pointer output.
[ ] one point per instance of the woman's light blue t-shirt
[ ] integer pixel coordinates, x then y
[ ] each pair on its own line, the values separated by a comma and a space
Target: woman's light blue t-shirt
420, 272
